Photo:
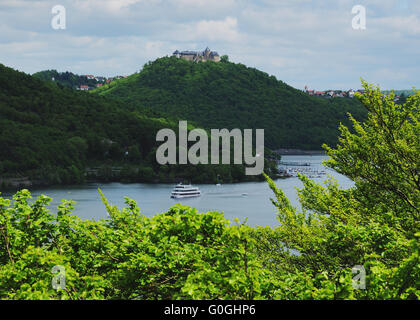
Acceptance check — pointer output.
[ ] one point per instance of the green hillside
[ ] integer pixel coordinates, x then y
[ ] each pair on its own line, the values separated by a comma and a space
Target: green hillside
229, 95
52, 135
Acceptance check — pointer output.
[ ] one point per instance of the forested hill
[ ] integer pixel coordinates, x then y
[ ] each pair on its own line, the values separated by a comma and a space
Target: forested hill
65, 79
53, 135
229, 95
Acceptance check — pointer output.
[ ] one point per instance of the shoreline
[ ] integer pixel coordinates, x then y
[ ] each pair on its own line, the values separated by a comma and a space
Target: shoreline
54, 186
299, 152
13, 184
33, 186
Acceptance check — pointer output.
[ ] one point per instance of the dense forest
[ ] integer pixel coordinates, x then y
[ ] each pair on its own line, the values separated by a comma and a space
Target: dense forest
54, 135
229, 95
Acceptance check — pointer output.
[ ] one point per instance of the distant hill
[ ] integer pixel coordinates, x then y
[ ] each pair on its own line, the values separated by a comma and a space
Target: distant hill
66, 79
53, 135
400, 92
229, 95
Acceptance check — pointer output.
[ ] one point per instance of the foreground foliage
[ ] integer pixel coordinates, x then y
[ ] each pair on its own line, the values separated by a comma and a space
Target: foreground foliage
177, 254
183, 254
374, 224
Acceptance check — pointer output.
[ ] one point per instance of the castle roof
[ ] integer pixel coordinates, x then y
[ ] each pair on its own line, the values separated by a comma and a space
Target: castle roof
197, 53
189, 52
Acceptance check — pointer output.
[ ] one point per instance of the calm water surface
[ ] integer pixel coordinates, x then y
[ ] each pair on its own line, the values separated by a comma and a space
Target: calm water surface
155, 198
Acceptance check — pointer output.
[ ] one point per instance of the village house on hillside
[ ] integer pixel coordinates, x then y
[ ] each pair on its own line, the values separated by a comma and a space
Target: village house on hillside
333, 93
196, 56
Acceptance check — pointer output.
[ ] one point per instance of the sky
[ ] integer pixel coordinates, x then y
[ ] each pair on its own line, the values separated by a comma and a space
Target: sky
301, 42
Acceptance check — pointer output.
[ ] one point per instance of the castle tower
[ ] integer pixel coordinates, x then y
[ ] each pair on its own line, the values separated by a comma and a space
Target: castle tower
207, 53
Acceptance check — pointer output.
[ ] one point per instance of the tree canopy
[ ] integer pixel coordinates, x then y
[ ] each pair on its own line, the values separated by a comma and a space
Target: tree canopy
66, 79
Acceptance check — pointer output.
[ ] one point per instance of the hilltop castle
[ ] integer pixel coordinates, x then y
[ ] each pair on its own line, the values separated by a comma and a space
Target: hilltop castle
196, 56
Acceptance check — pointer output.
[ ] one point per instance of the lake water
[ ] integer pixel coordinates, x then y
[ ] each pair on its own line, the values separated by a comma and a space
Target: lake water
155, 198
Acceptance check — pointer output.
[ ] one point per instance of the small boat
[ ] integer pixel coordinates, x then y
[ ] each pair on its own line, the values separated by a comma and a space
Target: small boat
185, 191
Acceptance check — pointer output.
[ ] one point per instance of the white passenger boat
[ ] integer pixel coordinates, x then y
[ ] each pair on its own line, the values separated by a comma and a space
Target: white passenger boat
185, 191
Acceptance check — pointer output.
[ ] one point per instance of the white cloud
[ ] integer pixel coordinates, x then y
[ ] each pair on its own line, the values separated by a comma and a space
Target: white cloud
403, 25
225, 30
111, 6
206, 4
299, 41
